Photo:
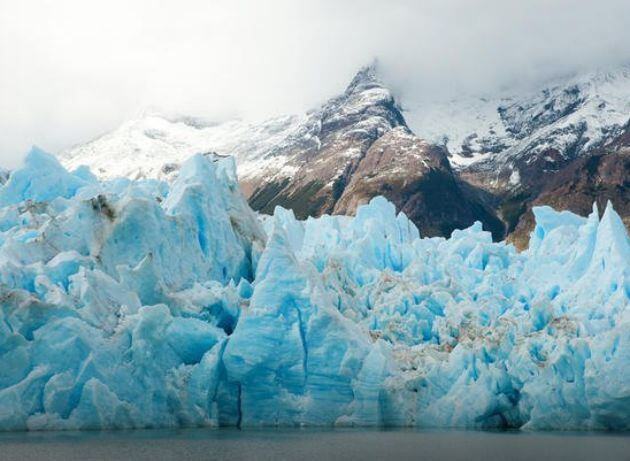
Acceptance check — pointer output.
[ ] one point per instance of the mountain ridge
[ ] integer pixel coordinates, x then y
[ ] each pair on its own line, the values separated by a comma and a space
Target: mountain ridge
359, 144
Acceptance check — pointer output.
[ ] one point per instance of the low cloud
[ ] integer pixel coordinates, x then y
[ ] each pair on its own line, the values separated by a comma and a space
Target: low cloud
71, 69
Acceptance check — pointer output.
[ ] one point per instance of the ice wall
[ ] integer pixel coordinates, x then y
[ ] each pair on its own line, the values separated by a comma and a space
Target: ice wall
132, 304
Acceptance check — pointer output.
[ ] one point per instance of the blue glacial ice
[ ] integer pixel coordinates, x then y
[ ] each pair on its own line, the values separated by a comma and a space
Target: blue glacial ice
138, 304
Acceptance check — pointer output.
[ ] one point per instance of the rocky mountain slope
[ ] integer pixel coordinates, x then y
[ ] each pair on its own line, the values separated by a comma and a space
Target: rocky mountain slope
444, 163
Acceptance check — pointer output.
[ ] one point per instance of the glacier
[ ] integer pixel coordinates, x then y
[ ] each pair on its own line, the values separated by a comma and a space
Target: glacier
142, 304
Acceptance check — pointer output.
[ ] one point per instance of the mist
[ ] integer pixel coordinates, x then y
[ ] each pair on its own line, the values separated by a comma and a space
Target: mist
72, 70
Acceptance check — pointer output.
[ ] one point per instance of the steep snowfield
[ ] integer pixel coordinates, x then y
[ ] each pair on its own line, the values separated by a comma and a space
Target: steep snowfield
142, 304
459, 124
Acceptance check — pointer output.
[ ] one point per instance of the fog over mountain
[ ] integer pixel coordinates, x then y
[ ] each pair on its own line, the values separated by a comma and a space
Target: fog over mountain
72, 70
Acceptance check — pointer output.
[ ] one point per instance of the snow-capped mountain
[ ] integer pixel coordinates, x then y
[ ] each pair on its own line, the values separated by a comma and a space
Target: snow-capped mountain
329, 160
154, 145
504, 138
444, 163
539, 147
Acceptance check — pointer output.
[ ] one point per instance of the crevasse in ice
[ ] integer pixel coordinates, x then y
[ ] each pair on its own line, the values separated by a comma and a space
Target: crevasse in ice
139, 304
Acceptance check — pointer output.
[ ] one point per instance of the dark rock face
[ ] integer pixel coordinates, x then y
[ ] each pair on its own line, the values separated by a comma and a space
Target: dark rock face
359, 146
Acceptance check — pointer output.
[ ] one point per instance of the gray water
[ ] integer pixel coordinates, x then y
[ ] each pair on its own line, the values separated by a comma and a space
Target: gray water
315, 445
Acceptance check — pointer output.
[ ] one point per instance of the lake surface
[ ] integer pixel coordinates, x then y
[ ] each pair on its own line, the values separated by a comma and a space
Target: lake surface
310, 444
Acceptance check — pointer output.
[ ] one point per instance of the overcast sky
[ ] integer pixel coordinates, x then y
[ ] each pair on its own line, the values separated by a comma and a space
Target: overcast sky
73, 69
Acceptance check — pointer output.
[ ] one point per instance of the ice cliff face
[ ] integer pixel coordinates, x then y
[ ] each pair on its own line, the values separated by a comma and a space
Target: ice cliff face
142, 304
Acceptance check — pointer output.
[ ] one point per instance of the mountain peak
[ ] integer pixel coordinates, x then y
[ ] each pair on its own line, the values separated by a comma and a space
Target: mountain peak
366, 78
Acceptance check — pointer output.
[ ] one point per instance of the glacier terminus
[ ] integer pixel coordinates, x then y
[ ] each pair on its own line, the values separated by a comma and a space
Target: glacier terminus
142, 304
